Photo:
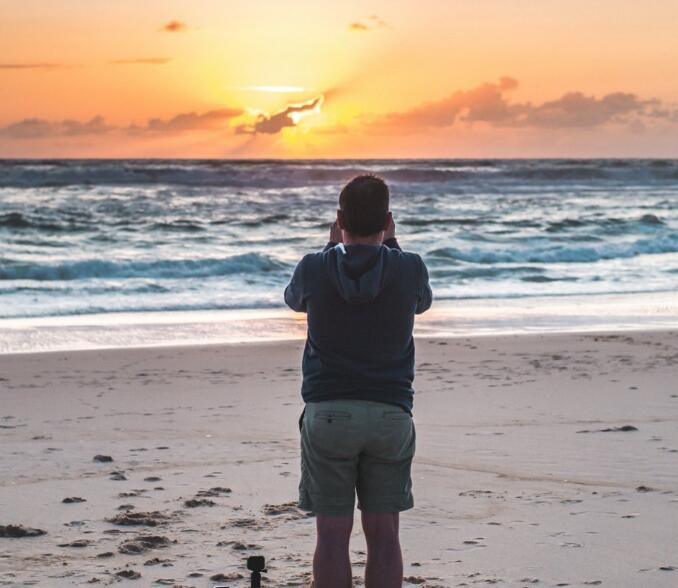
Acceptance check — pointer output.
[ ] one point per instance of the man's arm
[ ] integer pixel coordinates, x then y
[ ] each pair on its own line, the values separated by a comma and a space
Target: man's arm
425, 295
295, 295
389, 234
336, 236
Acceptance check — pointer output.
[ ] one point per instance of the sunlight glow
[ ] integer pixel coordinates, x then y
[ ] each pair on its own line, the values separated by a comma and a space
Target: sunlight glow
274, 89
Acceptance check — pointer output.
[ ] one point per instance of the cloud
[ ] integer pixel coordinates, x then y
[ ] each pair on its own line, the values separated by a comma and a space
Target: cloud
189, 121
38, 128
274, 123
489, 104
174, 26
372, 23
31, 65
358, 26
33, 128
575, 109
142, 61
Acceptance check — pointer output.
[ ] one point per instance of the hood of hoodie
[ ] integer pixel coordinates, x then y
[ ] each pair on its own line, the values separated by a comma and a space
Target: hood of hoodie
361, 272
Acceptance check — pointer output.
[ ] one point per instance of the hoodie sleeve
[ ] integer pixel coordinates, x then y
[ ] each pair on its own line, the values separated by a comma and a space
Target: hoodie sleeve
392, 243
295, 293
424, 295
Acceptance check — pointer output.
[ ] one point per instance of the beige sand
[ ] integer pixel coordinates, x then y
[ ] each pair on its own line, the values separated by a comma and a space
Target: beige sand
509, 488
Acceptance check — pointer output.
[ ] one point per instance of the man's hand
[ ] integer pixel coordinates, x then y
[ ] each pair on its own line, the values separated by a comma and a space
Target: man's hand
389, 232
336, 235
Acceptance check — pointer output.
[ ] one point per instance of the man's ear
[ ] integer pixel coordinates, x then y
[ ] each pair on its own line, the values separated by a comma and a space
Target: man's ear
387, 222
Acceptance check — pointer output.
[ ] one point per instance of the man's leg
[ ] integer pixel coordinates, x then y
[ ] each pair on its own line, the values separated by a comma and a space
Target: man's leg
384, 557
331, 562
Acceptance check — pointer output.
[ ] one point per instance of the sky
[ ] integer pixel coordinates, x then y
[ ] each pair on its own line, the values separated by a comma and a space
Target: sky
352, 79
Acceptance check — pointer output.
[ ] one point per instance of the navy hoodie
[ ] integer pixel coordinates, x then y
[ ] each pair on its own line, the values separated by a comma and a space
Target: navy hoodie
360, 302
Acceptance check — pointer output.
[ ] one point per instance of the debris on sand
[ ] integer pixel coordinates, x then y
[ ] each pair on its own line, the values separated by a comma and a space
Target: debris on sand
622, 429
238, 545
195, 502
129, 574
149, 519
73, 500
76, 543
288, 508
18, 531
102, 458
158, 561
226, 577
216, 491
143, 543
247, 523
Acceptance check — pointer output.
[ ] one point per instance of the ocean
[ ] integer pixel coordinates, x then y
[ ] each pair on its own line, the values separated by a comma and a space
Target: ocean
116, 238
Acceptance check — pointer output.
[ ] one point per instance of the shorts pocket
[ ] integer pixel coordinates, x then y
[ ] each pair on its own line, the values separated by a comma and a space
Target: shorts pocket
328, 431
330, 415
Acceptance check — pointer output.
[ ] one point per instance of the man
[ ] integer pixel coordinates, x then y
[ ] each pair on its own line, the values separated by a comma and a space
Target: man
360, 295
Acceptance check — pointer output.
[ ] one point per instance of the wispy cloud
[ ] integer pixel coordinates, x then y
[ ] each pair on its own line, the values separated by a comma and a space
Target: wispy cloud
489, 104
174, 26
142, 61
39, 128
35, 128
371, 23
274, 123
358, 26
32, 65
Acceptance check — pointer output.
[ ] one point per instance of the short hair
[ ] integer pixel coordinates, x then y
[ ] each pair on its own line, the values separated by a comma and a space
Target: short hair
364, 202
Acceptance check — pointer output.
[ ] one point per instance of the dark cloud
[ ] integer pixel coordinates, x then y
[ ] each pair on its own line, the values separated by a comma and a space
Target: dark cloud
274, 123
142, 61
174, 26
371, 23
489, 104
31, 65
38, 128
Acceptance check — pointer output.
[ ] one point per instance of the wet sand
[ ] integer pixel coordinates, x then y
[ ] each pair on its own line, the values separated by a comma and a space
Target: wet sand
543, 460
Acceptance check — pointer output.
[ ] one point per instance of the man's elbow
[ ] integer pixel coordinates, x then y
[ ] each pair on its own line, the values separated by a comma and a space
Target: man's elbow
295, 302
424, 303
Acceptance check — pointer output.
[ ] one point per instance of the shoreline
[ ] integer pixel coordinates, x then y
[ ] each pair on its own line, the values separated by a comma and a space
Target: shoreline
459, 318
262, 345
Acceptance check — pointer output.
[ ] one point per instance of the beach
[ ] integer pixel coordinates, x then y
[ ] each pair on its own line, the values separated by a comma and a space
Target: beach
544, 459
206, 207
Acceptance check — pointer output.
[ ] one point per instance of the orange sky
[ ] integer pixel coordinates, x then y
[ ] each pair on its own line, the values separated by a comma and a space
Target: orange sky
388, 78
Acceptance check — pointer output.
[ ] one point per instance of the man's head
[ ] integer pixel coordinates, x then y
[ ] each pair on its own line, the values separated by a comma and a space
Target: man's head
363, 206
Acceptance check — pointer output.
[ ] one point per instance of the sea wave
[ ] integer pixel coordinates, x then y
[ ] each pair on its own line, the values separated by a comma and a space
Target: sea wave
169, 268
17, 221
297, 173
558, 254
99, 236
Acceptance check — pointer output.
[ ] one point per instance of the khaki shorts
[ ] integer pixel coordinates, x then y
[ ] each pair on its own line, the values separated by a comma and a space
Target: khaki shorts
350, 446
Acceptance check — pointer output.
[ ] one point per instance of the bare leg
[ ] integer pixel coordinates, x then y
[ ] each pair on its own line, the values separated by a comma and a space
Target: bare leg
384, 558
331, 562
